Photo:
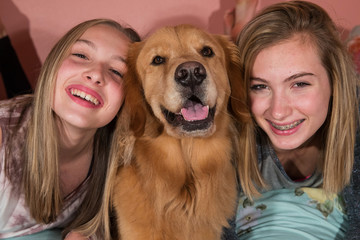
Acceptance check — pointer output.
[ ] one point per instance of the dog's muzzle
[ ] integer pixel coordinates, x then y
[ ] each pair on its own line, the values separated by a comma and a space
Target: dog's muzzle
194, 115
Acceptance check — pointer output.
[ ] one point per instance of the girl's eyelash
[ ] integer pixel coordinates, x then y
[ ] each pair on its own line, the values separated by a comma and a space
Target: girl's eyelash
258, 87
117, 73
301, 84
80, 55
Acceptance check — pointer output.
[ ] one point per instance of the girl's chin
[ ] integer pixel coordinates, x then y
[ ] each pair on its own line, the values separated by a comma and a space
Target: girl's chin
285, 144
283, 148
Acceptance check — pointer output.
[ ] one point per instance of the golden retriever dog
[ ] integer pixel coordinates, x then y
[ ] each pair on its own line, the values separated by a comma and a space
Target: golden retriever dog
178, 179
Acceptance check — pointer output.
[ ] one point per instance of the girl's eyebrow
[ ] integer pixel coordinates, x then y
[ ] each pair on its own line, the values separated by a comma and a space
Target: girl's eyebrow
299, 75
257, 79
292, 77
92, 45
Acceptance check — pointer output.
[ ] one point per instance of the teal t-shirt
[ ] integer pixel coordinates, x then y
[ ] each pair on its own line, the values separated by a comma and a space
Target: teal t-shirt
299, 214
291, 210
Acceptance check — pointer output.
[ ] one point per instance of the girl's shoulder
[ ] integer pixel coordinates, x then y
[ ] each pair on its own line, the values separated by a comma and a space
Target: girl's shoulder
14, 119
13, 110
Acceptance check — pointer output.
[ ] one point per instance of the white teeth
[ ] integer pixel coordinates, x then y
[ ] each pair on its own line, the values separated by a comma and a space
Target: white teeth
287, 127
85, 96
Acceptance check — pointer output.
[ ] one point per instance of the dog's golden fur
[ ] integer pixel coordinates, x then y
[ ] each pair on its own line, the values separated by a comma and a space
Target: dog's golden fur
178, 179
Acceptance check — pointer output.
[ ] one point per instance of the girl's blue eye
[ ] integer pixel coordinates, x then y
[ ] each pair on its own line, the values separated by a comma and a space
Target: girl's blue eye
258, 87
80, 55
301, 84
117, 73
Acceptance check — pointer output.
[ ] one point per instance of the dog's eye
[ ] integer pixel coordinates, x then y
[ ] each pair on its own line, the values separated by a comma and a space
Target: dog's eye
158, 60
207, 52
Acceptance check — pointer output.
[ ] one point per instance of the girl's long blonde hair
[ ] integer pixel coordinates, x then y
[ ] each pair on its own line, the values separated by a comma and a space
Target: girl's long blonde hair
280, 22
40, 174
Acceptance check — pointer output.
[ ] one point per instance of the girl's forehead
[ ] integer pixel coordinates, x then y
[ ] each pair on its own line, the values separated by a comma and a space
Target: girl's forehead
102, 29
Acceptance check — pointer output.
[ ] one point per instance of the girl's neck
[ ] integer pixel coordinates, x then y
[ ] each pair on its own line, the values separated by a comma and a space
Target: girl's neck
302, 162
74, 142
75, 156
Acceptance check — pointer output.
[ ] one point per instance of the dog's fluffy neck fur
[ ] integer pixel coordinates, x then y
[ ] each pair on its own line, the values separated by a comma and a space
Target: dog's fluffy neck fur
184, 174
172, 185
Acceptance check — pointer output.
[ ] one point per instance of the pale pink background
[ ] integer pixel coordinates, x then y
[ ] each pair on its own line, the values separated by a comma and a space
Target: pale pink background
35, 25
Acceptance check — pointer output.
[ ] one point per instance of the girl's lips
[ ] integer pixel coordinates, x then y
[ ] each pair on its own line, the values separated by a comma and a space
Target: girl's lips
286, 129
84, 96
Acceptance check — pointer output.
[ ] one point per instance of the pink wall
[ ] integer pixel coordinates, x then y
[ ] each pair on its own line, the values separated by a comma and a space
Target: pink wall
35, 25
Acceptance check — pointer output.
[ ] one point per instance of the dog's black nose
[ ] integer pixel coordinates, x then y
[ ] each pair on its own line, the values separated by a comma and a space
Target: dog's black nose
190, 74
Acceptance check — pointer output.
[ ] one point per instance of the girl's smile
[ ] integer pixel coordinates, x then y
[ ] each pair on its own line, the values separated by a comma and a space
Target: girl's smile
84, 96
89, 84
285, 129
290, 92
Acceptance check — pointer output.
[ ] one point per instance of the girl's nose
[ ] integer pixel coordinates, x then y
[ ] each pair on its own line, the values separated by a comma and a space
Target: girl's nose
280, 106
95, 74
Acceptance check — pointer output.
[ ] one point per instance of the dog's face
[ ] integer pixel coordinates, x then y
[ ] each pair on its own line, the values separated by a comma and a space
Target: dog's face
184, 76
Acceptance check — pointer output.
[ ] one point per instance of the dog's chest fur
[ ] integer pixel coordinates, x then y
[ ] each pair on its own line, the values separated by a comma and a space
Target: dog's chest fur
184, 189
177, 179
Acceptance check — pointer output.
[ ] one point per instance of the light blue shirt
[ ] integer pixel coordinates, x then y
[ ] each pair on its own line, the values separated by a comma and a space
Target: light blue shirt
286, 214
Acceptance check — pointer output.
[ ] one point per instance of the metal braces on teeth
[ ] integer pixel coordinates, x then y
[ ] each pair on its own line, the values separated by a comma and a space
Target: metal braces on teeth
286, 127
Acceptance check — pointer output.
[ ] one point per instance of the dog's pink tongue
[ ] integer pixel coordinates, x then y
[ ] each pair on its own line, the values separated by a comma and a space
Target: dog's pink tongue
195, 112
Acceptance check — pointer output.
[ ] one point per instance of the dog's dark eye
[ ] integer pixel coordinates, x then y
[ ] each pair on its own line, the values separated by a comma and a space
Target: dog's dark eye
207, 52
158, 60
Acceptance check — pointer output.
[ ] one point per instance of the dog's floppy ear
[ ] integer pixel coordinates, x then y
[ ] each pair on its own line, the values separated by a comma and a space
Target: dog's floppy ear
134, 104
238, 99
